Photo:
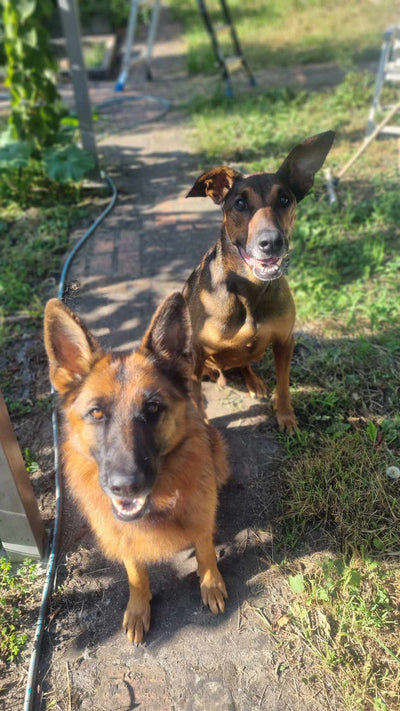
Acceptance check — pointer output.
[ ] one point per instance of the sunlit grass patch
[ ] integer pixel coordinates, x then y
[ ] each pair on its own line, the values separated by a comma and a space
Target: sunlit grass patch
346, 263
285, 32
340, 484
344, 614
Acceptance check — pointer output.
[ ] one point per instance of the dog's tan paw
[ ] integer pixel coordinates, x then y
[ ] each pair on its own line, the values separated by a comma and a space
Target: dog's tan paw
213, 594
258, 390
255, 385
287, 421
136, 622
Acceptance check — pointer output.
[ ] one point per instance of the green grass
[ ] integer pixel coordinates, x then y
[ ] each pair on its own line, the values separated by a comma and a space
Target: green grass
18, 588
346, 615
31, 251
36, 219
285, 32
258, 129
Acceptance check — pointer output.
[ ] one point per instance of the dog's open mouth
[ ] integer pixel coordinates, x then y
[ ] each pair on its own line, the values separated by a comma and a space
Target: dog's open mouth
129, 509
264, 269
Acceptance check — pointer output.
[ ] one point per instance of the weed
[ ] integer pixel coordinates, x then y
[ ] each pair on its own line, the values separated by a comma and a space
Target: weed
16, 589
31, 248
31, 465
348, 613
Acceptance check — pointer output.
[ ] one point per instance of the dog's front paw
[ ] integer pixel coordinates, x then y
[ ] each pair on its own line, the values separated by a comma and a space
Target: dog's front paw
136, 621
254, 384
287, 420
213, 593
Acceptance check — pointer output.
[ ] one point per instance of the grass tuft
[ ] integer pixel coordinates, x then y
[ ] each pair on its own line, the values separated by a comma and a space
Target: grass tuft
341, 484
17, 590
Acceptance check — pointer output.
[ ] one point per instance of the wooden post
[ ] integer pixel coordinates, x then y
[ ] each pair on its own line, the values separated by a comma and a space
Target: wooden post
22, 532
71, 28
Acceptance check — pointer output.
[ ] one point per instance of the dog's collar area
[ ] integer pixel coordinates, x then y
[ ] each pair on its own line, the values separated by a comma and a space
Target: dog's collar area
263, 269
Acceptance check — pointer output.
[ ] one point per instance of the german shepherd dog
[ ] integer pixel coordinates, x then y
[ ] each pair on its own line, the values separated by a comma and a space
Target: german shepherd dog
139, 458
239, 299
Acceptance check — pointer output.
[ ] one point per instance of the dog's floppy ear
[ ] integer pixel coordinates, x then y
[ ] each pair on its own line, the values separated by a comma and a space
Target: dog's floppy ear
70, 348
299, 168
216, 184
169, 336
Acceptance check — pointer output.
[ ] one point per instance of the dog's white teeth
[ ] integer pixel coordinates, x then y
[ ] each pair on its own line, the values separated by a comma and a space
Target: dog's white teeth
127, 507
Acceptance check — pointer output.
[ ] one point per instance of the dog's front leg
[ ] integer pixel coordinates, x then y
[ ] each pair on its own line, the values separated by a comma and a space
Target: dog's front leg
137, 614
284, 411
212, 586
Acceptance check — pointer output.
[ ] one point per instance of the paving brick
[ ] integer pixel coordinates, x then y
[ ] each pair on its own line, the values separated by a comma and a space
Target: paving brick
100, 265
104, 245
128, 240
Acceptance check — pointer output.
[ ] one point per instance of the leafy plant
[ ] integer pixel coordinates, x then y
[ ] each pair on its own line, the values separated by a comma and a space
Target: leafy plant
65, 163
347, 612
36, 107
15, 589
38, 126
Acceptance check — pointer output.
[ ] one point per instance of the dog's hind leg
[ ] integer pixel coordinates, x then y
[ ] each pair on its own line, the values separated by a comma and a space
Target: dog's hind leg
212, 586
254, 384
284, 411
137, 614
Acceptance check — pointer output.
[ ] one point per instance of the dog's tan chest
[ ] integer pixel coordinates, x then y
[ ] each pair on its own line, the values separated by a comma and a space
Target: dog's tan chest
247, 344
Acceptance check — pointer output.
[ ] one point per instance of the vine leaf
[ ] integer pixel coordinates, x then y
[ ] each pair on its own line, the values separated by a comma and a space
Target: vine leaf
14, 154
67, 163
26, 8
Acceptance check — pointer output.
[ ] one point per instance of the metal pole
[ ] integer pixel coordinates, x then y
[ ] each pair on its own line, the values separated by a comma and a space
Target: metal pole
71, 27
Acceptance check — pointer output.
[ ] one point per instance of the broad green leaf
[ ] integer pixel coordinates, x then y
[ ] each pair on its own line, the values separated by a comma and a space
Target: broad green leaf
67, 163
296, 582
15, 154
26, 8
30, 38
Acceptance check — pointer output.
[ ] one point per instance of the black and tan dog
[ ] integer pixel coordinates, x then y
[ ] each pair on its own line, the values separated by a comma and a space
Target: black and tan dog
138, 457
239, 299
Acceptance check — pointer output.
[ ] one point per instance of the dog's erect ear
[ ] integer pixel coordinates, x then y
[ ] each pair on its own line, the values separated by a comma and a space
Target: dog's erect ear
70, 348
304, 161
169, 335
216, 184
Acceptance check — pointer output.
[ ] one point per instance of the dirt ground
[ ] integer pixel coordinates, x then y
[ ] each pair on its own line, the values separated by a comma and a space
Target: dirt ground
191, 660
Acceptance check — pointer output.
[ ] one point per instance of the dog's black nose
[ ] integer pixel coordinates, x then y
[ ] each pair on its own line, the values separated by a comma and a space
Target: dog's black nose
126, 487
271, 243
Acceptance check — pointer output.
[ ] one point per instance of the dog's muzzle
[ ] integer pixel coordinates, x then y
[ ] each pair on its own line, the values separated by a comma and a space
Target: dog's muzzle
264, 269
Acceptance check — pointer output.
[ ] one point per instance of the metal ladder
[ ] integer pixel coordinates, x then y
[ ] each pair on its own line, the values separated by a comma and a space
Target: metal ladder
226, 64
144, 56
388, 71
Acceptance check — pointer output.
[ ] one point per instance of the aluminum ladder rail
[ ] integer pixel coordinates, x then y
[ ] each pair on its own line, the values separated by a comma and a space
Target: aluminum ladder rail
226, 64
388, 71
144, 56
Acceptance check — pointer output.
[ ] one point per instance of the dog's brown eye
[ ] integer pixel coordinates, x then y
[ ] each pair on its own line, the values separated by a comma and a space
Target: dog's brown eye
96, 414
152, 408
284, 199
241, 204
